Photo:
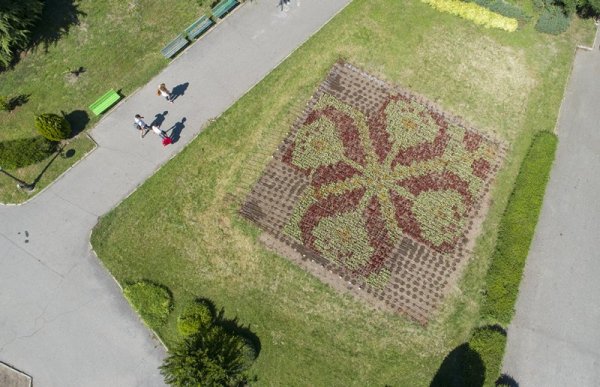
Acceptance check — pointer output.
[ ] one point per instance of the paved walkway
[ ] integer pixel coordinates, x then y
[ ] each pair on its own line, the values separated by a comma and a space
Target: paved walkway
62, 318
554, 339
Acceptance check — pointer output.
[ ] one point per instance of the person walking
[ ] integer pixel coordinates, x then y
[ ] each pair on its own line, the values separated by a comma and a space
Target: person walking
163, 91
142, 126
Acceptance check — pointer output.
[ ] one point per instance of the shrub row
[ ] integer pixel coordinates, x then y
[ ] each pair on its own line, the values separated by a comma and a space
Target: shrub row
23, 152
475, 13
489, 343
503, 8
517, 229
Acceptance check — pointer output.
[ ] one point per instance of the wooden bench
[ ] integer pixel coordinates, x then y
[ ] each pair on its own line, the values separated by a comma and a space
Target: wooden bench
105, 102
223, 7
175, 46
198, 27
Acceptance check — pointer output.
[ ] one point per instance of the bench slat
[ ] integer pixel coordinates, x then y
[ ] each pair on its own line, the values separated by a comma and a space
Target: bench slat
223, 7
198, 27
174, 46
105, 102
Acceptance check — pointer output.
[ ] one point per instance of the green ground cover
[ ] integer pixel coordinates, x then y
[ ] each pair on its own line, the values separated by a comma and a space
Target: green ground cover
508, 84
141, 28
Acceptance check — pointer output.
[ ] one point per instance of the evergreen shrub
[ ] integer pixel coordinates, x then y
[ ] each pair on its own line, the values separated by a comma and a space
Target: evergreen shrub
53, 126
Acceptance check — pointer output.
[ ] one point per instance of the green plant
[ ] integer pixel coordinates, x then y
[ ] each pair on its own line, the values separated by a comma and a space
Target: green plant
53, 126
195, 316
489, 343
475, 13
517, 228
153, 302
503, 8
4, 103
209, 357
553, 20
16, 19
26, 151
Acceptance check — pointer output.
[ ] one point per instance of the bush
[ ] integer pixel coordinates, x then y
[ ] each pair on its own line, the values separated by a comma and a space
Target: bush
553, 20
489, 343
517, 228
475, 13
27, 151
209, 357
53, 126
503, 8
4, 103
153, 302
195, 316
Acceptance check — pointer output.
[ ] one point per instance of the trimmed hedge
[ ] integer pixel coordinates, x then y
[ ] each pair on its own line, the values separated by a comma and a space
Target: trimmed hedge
153, 302
52, 126
517, 229
475, 13
26, 151
489, 343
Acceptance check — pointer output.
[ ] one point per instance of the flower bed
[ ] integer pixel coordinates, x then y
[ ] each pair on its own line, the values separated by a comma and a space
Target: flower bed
397, 172
475, 13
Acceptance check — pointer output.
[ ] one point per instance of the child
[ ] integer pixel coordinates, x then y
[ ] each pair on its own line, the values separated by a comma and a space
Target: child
142, 126
162, 90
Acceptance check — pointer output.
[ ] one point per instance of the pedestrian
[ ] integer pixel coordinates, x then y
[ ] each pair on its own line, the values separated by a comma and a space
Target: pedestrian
162, 90
141, 125
166, 140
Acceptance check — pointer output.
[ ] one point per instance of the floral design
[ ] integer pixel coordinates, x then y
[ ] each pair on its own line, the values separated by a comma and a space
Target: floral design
405, 170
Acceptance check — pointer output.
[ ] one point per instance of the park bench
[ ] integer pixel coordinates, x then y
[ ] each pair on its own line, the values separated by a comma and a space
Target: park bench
105, 102
223, 7
174, 46
198, 27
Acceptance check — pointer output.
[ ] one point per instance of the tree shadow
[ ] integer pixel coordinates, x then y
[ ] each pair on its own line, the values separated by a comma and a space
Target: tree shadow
17, 101
175, 130
78, 119
232, 326
461, 367
506, 380
58, 16
159, 119
179, 90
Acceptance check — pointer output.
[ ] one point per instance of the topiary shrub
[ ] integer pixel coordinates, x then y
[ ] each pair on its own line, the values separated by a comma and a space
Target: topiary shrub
153, 302
553, 20
20, 153
194, 317
209, 357
53, 126
489, 343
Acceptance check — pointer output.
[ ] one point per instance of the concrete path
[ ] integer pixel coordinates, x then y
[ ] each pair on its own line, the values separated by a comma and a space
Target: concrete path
63, 319
554, 339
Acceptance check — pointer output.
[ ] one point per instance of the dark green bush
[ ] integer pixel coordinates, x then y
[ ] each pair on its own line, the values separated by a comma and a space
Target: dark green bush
53, 126
517, 229
153, 302
553, 20
504, 9
489, 344
195, 316
23, 152
209, 357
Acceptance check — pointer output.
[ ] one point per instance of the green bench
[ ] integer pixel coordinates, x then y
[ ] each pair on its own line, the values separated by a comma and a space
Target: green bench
175, 46
198, 27
223, 7
105, 102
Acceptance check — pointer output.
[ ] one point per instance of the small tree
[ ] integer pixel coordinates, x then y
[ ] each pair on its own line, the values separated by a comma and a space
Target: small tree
53, 126
209, 357
4, 103
16, 19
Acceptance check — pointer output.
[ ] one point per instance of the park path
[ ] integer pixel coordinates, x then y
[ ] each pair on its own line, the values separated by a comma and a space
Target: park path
554, 339
63, 320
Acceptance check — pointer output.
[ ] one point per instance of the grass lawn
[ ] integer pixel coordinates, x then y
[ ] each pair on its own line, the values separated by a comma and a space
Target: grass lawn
118, 44
507, 84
